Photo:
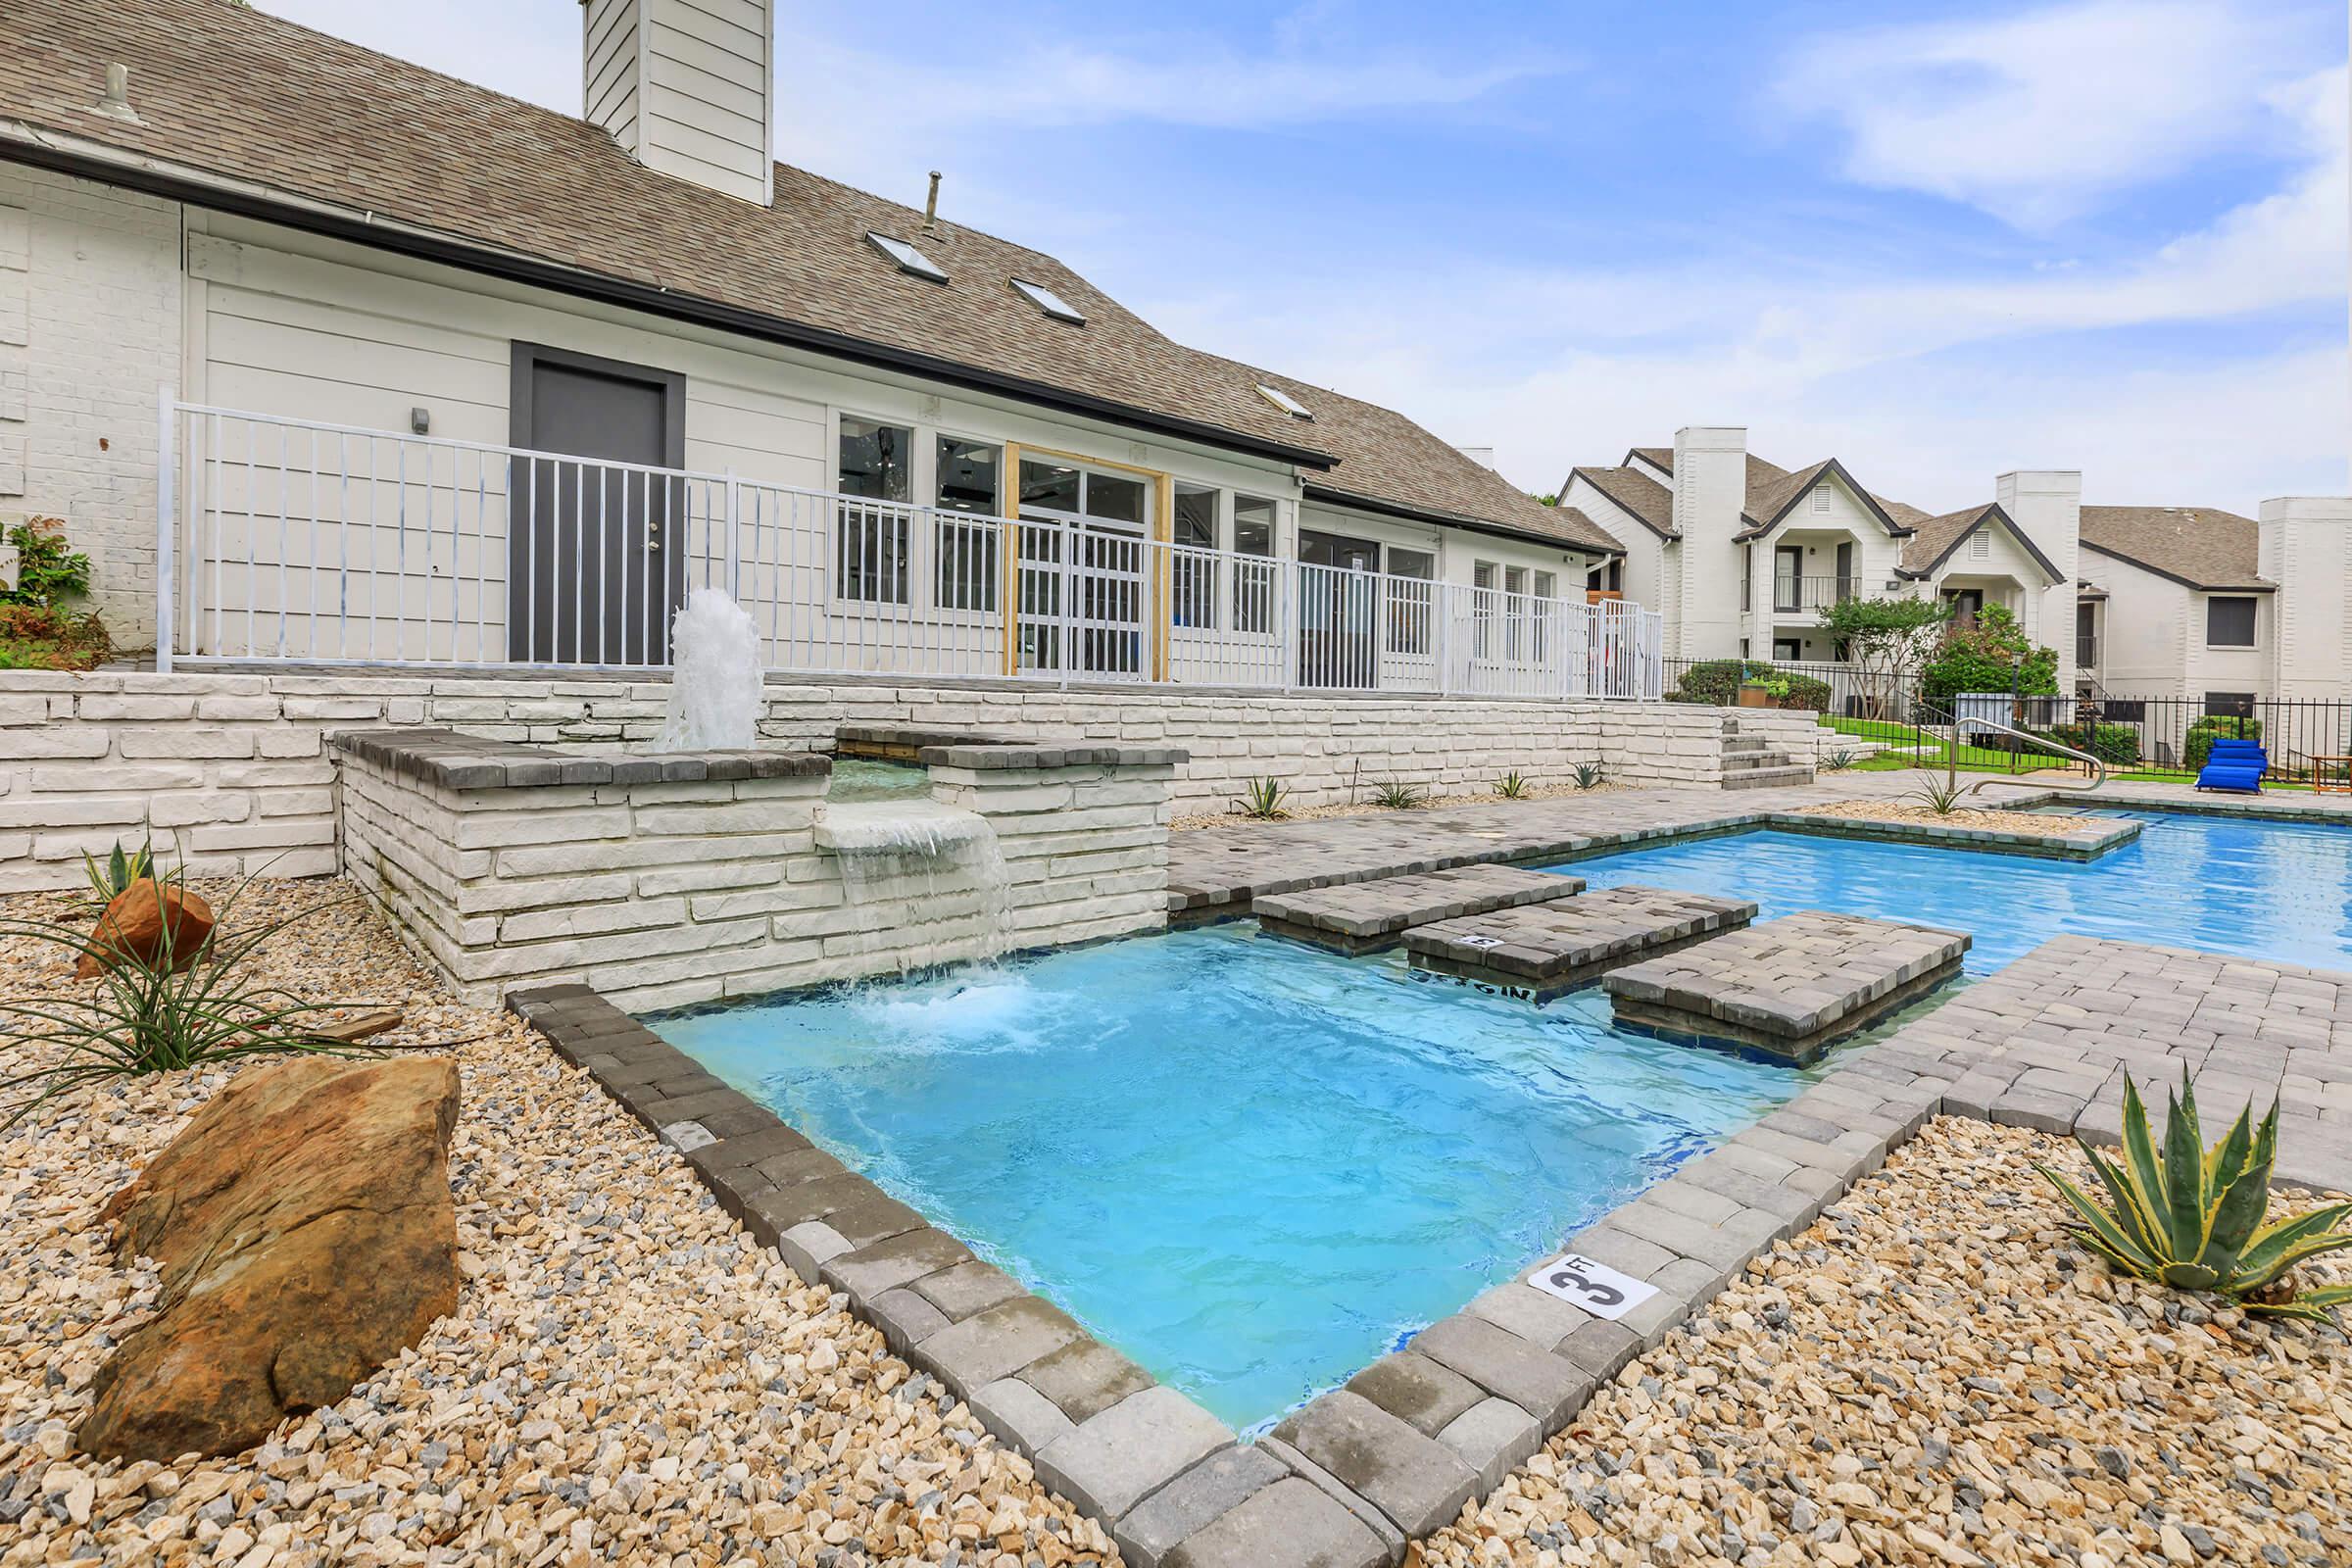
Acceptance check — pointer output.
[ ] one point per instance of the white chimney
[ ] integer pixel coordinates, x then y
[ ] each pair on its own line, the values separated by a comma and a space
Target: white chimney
686, 89
1710, 490
1484, 456
2304, 545
2047, 505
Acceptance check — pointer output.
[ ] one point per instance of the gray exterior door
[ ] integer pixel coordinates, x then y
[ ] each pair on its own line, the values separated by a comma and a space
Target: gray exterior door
596, 558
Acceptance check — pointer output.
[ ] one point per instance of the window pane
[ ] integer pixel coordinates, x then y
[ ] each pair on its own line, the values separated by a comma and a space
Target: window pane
1252, 526
1048, 485
1114, 499
1194, 577
1411, 601
2230, 622
1254, 582
870, 560
873, 459
967, 561
967, 476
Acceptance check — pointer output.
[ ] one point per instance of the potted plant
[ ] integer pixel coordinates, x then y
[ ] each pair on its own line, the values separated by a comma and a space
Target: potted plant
1764, 690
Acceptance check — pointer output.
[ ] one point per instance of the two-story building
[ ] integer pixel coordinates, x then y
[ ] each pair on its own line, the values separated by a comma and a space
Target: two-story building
1743, 555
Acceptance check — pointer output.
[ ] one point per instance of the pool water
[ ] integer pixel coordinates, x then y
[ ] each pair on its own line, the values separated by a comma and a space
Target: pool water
1251, 1166
2261, 888
862, 779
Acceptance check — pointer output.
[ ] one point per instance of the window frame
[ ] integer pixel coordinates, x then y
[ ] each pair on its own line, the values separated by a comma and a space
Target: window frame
993, 608
884, 509
1259, 598
2252, 604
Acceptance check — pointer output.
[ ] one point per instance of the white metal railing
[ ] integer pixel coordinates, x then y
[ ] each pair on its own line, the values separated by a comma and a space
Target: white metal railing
293, 541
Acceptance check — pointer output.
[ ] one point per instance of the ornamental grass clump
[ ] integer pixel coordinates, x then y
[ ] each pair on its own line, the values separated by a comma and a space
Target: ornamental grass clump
1396, 795
152, 1009
1512, 786
1262, 799
2191, 1217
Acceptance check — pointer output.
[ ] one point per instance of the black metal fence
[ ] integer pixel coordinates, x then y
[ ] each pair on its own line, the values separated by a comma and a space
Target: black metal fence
2162, 737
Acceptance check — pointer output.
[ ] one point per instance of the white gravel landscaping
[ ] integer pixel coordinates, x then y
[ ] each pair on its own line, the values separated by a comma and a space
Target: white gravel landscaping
627, 1380
1936, 1374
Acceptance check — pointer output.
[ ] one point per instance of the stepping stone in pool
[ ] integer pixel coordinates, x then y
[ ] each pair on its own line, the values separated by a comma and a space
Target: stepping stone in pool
1544, 950
1355, 917
1790, 986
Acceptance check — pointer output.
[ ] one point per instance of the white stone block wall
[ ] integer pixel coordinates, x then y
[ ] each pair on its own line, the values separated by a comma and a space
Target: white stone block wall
230, 772
668, 894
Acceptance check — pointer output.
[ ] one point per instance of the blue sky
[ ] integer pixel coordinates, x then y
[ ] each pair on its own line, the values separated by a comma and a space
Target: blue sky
1936, 241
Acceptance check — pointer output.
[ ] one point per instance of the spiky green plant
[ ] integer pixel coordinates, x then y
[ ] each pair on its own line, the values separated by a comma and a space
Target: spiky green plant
143, 1017
1262, 799
1590, 775
1512, 786
2191, 1217
112, 877
1396, 795
1839, 760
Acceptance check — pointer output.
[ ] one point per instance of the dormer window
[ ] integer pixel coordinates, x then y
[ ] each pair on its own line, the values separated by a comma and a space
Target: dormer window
909, 259
1046, 300
1283, 400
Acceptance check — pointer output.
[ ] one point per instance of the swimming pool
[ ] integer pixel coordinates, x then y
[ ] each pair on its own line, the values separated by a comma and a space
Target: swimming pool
1251, 1165
2262, 889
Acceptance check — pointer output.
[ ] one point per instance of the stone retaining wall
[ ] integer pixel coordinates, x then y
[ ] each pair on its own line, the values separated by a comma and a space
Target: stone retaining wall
663, 881
230, 772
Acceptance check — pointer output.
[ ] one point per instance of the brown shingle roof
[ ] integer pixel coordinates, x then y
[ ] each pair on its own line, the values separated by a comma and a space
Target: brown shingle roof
1939, 537
228, 91
2202, 547
1638, 493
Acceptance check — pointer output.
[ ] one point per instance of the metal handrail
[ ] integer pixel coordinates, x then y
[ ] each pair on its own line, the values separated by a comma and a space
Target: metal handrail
2099, 767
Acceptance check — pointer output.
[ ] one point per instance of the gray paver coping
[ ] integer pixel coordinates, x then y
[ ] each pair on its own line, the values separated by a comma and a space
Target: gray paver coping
1788, 986
2044, 1043
1551, 949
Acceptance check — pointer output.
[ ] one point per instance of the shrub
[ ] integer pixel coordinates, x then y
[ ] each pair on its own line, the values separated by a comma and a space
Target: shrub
2216, 727
46, 570
1993, 655
1398, 795
2193, 1219
144, 1018
1262, 799
1717, 682
2117, 744
41, 637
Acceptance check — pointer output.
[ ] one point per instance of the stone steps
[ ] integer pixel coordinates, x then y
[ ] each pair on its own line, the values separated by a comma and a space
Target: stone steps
1753, 763
1355, 917
1541, 951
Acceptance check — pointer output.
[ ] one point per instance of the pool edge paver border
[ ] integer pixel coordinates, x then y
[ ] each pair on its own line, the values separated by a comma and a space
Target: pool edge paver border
1148, 1462
2015, 1050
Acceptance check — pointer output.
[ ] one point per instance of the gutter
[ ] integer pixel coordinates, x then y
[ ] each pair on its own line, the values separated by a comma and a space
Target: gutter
1448, 519
21, 142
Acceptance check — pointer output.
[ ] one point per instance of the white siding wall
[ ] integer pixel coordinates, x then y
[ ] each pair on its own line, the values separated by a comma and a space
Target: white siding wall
2047, 504
609, 59
687, 88
1710, 471
2306, 548
2010, 576
2147, 628
89, 328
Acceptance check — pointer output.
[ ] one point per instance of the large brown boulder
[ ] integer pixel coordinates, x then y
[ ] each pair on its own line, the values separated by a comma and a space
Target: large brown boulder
305, 1230
135, 923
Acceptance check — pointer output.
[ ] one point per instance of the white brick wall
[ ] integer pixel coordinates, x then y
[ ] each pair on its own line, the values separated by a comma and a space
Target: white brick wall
89, 328
229, 770
664, 895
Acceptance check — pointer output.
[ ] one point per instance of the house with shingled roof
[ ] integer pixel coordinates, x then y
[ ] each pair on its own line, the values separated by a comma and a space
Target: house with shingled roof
1743, 555
451, 379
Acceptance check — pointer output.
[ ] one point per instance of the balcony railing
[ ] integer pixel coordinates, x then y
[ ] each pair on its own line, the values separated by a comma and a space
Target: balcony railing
292, 542
1793, 596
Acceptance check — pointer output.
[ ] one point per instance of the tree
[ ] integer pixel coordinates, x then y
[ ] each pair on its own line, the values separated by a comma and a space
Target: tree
1884, 639
1993, 655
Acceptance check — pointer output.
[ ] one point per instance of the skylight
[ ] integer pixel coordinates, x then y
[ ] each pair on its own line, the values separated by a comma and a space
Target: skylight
1283, 400
910, 259
1046, 300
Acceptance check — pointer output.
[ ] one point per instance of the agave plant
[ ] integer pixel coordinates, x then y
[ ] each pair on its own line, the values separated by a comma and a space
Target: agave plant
1397, 795
1512, 786
2191, 1217
143, 1017
112, 877
1262, 799
1590, 775
1839, 760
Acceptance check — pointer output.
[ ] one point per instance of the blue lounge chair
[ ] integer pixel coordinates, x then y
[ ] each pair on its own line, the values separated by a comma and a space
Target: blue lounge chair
2234, 766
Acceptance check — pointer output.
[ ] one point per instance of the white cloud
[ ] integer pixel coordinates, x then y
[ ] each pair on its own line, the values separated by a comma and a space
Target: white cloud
2036, 117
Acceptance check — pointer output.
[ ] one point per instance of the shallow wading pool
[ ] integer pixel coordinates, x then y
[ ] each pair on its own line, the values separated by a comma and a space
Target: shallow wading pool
1251, 1166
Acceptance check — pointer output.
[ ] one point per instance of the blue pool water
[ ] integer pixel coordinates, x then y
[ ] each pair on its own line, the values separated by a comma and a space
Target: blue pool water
2275, 890
1250, 1165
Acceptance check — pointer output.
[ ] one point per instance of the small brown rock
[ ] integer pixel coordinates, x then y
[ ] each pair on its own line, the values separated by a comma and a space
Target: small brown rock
134, 926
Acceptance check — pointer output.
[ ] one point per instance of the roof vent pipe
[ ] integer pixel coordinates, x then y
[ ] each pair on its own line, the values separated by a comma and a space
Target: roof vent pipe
115, 101
931, 207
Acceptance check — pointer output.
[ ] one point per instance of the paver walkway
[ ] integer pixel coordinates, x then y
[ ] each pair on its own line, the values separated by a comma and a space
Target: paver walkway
1554, 948
1355, 917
